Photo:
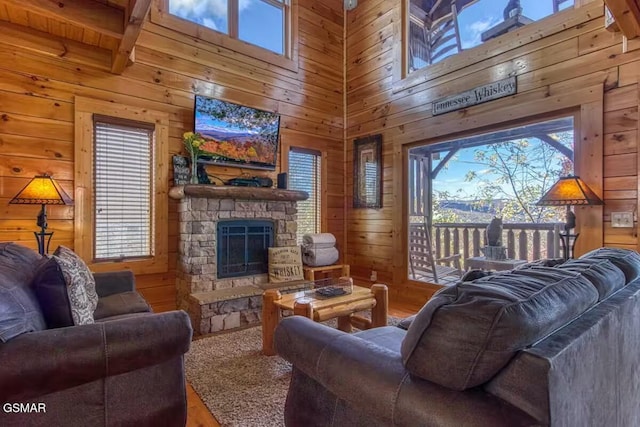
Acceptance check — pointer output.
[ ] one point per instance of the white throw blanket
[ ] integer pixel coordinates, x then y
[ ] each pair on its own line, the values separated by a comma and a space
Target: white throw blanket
320, 257
318, 241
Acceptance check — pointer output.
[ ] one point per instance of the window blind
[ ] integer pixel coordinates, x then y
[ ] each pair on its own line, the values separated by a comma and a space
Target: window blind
123, 188
304, 175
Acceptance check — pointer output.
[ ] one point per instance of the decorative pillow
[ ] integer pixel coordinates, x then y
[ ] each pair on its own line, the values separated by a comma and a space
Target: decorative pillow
64, 287
285, 264
79, 271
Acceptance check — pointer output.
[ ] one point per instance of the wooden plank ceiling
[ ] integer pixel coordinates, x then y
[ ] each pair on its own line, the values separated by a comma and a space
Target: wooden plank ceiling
100, 33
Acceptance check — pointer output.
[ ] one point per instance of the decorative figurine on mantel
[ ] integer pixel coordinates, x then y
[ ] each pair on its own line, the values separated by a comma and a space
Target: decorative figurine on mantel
494, 250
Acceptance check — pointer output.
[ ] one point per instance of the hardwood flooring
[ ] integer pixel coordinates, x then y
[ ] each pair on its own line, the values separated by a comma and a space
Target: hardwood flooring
199, 416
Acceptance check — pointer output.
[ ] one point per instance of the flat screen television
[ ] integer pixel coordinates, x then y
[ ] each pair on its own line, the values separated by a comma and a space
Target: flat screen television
236, 135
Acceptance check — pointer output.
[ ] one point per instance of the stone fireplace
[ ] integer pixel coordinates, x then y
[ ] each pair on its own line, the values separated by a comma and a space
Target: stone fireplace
232, 224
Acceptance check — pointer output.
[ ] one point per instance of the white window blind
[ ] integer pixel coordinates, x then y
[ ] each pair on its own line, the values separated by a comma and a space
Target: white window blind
123, 188
304, 175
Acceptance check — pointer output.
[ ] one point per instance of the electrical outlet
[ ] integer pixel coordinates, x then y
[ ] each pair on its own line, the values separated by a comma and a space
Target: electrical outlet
374, 276
622, 219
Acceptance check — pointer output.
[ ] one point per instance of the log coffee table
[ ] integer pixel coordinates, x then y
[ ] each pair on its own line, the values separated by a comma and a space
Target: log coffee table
343, 307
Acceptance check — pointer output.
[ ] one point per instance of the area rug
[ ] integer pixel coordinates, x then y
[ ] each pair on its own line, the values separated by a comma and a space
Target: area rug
240, 386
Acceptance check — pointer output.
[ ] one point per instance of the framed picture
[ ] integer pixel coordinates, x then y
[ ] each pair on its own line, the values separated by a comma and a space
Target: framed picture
367, 172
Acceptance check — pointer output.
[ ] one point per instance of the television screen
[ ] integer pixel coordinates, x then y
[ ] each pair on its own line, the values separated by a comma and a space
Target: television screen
237, 135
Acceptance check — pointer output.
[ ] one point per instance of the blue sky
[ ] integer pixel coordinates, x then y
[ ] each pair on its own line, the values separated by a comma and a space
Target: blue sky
484, 14
451, 178
254, 17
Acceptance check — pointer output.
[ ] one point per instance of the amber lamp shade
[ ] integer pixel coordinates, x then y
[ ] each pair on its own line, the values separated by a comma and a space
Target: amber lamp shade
569, 191
42, 190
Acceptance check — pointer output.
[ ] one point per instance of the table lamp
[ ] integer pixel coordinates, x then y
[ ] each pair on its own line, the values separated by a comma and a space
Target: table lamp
569, 191
42, 190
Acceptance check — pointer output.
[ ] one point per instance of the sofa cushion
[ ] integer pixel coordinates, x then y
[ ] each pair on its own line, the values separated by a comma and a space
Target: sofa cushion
602, 273
19, 308
120, 303
61, 294
626, 260
466, 333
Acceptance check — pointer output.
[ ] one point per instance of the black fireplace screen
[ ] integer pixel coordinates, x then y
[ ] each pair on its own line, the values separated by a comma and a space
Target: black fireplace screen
242, 247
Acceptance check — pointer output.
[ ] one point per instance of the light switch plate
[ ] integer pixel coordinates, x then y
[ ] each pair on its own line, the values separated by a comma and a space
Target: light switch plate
622, 219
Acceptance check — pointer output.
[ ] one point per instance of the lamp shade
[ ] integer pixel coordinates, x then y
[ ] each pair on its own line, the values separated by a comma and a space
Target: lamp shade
570, 191
42, 190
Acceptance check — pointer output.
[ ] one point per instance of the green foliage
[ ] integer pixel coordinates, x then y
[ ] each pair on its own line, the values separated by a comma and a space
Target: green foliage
442, 215
526, 169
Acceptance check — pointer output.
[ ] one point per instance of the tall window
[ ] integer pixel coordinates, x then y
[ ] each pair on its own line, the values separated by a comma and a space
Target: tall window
457, 187
123, 188
121, 214
263, 23
305, 175
439, 29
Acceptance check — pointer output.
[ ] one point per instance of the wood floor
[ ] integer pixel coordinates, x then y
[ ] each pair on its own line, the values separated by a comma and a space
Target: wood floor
199, 416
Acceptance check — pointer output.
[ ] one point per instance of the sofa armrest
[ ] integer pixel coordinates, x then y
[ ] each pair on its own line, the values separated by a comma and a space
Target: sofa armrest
362, 373
114, 282
39, 363
372, 380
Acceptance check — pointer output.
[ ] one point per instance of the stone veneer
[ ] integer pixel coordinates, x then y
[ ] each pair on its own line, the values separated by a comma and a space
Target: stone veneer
216, 304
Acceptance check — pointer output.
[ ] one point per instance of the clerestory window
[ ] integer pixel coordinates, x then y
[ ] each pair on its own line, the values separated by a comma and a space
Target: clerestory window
263, 23
439, 29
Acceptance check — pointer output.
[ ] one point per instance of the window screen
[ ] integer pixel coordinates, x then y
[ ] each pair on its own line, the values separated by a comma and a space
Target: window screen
304, 175
123, 189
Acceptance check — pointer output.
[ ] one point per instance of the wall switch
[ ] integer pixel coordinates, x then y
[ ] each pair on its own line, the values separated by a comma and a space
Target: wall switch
622, 219
374, 276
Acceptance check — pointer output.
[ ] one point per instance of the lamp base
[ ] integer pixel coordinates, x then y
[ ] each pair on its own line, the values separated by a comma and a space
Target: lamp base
568, 241
43, 238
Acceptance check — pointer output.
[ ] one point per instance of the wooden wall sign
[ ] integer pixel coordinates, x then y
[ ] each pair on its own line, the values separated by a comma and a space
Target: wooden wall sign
475, 96
181, 170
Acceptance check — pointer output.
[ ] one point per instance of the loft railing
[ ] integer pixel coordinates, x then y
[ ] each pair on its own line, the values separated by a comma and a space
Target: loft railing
525, 241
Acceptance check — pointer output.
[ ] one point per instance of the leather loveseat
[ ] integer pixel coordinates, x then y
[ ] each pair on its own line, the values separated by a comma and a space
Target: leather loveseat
125, 369
537, 346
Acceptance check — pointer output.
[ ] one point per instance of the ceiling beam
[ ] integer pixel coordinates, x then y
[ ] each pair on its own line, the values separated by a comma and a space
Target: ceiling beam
627, 16
131, 33
54, 46
88, 14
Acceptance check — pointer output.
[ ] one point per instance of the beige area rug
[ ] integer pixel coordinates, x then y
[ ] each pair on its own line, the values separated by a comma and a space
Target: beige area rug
240, 386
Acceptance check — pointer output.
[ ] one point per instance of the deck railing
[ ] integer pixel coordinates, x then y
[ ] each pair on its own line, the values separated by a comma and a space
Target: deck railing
527, 241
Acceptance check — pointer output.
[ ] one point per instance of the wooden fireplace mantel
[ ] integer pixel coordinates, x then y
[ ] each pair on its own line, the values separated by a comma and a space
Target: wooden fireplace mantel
233, 192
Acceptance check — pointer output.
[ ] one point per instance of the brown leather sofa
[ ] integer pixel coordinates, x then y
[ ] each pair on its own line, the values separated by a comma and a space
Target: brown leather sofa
537, 346
125, 369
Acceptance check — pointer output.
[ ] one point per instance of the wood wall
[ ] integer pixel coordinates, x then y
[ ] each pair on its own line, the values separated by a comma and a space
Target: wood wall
37, 121
568, 65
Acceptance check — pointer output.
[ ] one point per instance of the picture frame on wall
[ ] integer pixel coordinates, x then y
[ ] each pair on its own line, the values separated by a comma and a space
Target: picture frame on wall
367, 172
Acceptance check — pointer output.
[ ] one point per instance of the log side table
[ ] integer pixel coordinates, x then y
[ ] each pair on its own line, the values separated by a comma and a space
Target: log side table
310, 272
343, 307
